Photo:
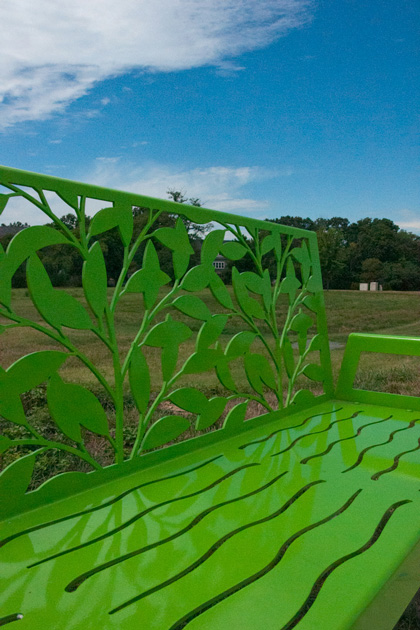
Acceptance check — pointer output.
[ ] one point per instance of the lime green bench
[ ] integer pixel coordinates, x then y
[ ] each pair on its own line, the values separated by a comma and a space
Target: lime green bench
279, 502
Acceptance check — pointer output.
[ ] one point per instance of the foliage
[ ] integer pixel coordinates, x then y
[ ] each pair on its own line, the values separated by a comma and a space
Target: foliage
113, 241
348, 249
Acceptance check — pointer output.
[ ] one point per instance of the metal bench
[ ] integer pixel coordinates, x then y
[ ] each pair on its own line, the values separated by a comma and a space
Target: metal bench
306, 515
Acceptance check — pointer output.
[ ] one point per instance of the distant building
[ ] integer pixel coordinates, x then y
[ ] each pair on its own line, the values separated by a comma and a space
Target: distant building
370, 286
219, 263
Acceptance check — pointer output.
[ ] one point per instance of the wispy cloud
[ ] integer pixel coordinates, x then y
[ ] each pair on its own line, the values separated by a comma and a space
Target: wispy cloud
53, 52
410, 220
217, 187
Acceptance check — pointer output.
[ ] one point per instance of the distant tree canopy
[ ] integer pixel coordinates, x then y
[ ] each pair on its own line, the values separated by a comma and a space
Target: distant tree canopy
365, 251
369, 250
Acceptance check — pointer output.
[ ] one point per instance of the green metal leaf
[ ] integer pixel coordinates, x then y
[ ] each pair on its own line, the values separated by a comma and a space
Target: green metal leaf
28, 241
288, 356
165, 430
3, 201
11, 407
220, 291
251, 307
261, 285
301, 322
303, 397
197, 278
149, 278
314, 372
181, 261
210, 331
235, 417
5, 443
211, 246
176, 239
33, 369
212, 413
15, 479
316, 343
313, 303
167, 333
139, 377
201, 361
314, 285
71, 406
239, 344
57, 307
259, 372
169, 360
94, 279
253, 282
233, 250
189, 399
224, 375
267, 244
302, 256
290, 284
192, 306
120, 216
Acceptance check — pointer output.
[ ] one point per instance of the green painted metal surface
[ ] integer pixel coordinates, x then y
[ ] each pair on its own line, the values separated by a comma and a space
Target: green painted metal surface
307, 516
303, 522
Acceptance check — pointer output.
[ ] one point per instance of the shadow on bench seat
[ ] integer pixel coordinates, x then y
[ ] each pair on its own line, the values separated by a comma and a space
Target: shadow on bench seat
306, 516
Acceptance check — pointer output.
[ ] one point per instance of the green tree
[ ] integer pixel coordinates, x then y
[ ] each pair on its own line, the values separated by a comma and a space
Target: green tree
372, 270
332, 256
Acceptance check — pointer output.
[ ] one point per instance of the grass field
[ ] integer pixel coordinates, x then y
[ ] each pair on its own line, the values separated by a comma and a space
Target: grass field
347, 311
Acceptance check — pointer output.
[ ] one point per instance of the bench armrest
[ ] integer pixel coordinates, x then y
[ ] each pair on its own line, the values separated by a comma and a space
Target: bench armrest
383, 344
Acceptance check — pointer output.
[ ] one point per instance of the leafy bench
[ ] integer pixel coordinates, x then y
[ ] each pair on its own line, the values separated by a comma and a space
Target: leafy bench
300, 509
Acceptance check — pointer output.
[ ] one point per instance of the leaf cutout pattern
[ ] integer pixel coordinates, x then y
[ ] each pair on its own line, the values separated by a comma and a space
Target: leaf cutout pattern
220, 292
214, 409
197, 278
192, 306
15, 479
94, 279
273, 262
57, 307
139, 377
211, 246
249, 306
149, 279
210, 331
120, 216
233, 250
314, 372
177, 240
72, 406
165, 430
33, 369
259, 372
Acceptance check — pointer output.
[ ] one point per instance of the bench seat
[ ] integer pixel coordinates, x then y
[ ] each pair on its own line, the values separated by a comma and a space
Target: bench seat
309, 523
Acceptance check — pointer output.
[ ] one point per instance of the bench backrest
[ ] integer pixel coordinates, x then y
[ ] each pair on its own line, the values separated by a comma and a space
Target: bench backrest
270, 327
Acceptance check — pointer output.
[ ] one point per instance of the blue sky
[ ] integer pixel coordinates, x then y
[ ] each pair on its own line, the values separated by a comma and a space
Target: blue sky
261, 108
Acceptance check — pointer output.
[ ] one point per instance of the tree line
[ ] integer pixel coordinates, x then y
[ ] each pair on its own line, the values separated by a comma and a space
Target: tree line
369, 250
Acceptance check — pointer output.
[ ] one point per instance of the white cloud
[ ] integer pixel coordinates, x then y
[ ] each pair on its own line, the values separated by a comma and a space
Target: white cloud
53, 52
410, 220
217, 187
